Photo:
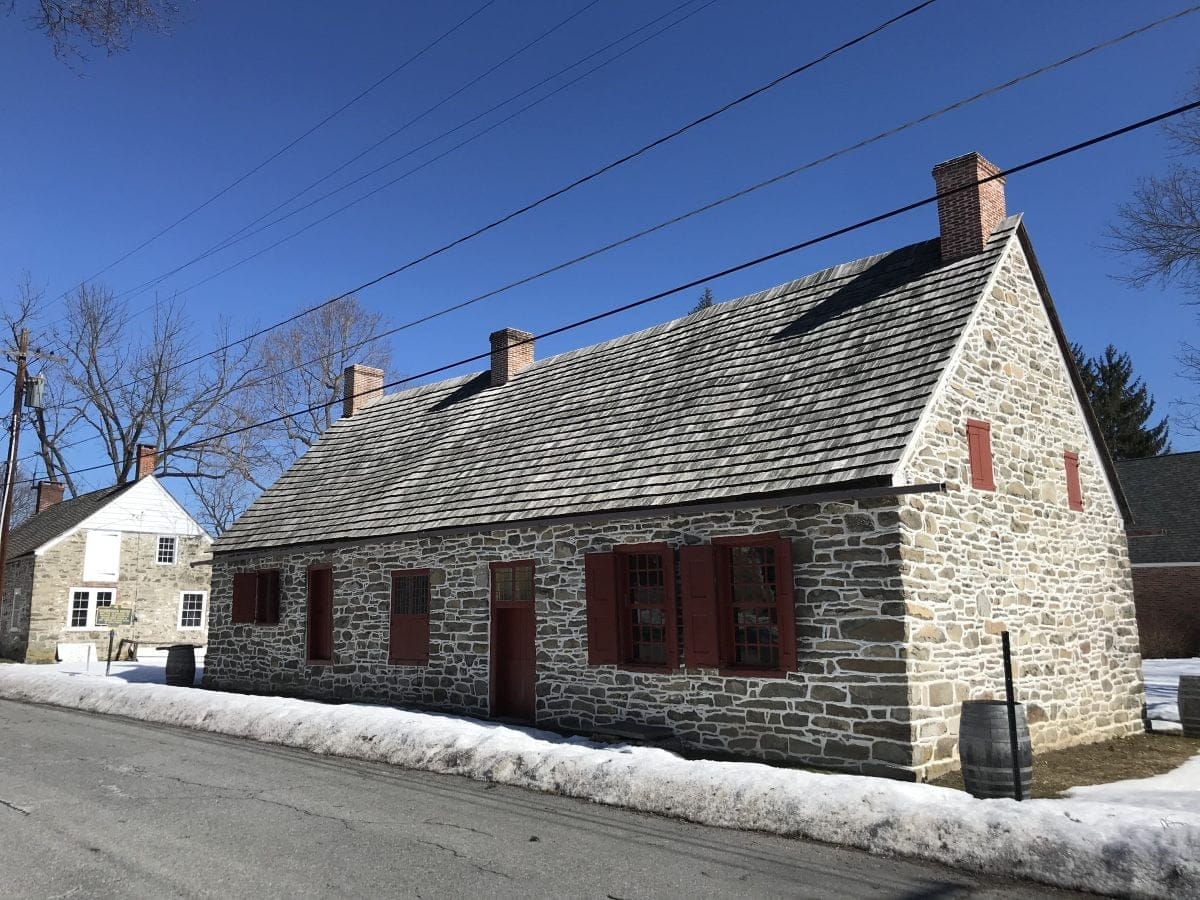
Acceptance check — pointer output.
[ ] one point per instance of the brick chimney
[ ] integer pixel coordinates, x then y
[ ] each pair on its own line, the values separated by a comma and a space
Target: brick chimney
969, 216
512, 353
48, 494
363, 385
147, 458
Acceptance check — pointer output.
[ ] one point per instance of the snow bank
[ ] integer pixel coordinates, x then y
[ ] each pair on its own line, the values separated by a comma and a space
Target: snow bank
1177, 790
1162, 689
1074, 843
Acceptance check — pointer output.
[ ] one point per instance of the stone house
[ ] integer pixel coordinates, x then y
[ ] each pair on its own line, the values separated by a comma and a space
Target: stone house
130, 546
1164, 548
790, 526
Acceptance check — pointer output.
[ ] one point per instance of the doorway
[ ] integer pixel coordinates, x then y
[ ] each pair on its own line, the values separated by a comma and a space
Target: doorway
514, 630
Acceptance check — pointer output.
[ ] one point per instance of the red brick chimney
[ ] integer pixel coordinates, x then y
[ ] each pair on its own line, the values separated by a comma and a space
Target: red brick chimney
512, 353
969, 216
363, 385
147, 459
48, 494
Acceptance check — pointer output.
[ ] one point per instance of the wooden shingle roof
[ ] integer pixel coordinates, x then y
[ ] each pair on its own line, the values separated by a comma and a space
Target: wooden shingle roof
1164, 492
815, 383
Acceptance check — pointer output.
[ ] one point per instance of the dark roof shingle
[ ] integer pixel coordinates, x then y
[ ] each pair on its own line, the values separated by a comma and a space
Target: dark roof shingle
58, 519
809, 384
1164, 492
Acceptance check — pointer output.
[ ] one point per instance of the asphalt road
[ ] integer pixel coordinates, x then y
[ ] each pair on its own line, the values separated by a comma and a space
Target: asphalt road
93, 806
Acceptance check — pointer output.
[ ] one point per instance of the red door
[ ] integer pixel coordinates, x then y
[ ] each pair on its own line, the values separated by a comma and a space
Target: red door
513, 638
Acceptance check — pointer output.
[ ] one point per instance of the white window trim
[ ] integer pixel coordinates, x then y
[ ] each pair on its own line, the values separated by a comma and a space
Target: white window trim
203, 612
91, 615
174, 549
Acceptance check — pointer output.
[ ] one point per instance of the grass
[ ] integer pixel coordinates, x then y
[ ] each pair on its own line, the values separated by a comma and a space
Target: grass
1140, 756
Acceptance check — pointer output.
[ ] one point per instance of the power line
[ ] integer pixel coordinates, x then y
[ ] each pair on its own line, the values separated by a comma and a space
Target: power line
288, 146
566, 188
776, 179
240, 235
696, 282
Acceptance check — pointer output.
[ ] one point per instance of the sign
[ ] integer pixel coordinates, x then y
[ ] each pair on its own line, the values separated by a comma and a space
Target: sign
112, 616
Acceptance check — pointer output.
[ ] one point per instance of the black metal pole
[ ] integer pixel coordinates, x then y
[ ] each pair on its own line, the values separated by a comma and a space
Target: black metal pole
1012, 716
108, 665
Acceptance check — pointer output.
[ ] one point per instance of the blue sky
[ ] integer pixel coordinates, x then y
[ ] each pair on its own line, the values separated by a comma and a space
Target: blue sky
99, 157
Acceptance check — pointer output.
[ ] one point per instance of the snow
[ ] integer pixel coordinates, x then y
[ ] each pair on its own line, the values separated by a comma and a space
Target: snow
1088, 842
1177, 790
1162, 689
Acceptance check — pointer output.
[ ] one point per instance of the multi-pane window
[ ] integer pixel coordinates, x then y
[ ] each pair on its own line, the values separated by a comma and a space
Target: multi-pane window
409, 636
645, 596
166, 550
753, 607
191, 610
82, 611
512, 582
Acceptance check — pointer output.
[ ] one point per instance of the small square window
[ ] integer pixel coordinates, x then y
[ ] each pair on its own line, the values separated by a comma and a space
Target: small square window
166, 551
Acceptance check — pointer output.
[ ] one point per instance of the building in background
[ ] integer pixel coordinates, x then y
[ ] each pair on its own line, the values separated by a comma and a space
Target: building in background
131, 546
1164, 547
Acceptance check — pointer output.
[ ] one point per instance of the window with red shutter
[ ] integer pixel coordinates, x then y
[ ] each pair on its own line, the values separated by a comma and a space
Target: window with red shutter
244, 586
979, 447
648, 636
756, 604
408, 642
320, 615
1074, 489
600, 587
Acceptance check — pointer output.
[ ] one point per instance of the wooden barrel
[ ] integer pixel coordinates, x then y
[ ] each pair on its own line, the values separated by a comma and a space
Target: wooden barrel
985, 749
181, 665
1189, 705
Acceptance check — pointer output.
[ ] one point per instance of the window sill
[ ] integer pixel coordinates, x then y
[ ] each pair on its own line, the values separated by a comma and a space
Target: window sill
654, 670
318, 662
732, 672
408, 662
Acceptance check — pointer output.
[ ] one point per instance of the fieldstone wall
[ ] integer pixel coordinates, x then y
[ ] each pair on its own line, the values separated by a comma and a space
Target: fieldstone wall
151, 589
977, 562
846, 707
14, 613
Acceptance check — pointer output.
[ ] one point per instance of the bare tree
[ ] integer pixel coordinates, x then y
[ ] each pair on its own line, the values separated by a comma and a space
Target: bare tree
1159, 230
297, 391
24, 498
120, 386
104, 24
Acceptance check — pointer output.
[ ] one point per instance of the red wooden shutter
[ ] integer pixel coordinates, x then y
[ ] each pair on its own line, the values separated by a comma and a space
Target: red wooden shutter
785, 578
408, 638
1074, 490
600, 575
697, 566
979, 444
243, 597
266, 607
320, 615
668, 564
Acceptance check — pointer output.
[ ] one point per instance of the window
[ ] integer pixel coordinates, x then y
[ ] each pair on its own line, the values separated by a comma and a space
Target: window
751, 582
191, 609
81, 614
1074, 490
408, 640
256, 597
512, 582
320, 615
979, 448
166, 551
631, 607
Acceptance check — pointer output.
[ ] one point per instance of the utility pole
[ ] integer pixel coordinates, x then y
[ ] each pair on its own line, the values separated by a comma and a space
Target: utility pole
22, 357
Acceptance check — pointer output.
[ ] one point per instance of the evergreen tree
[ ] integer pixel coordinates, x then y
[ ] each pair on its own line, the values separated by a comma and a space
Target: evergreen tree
706, 300
1122, 404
